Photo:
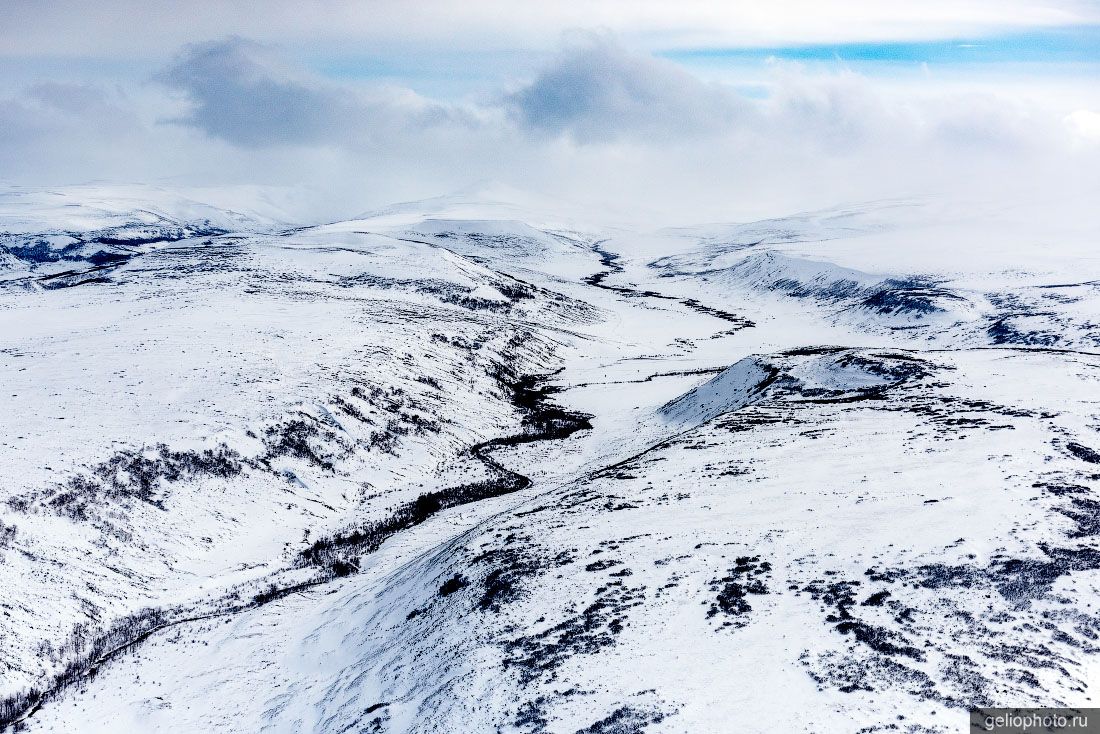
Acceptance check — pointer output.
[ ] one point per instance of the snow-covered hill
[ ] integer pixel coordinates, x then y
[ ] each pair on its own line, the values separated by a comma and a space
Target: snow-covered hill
472, 466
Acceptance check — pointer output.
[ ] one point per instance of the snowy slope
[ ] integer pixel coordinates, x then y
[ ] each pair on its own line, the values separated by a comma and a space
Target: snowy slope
967, 280
188, 417
776, 478
52, 231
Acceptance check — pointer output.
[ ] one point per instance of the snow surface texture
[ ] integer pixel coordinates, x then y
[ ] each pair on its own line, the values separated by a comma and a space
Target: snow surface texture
777, 476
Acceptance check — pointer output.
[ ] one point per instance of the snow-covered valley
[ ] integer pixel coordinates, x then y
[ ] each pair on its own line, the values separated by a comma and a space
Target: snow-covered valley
467, 465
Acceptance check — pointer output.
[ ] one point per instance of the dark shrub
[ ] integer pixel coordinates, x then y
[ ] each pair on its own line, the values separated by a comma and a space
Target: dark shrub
453, 584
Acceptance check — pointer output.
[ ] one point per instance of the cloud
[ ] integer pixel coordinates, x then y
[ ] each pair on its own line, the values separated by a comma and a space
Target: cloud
59, 127
840, 112
596, 122
1084, 125
52, 107
596, 91
241, 92
106, 28
237, 97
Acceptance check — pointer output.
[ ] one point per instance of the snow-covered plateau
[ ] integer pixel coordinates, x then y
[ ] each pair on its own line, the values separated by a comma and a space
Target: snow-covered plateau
485, 465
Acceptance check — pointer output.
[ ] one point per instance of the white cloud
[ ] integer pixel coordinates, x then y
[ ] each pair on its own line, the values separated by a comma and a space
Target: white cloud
597, 122
138, 27
57, 128
596, 91
1084, 125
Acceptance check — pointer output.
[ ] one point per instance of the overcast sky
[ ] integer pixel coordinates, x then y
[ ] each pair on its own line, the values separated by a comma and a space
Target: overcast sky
726, 106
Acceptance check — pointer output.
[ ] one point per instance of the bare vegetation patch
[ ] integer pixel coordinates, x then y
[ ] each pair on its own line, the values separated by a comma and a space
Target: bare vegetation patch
131, 474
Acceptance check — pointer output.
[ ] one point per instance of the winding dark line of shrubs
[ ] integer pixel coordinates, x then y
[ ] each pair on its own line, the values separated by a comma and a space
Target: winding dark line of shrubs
86, 653
542, 421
